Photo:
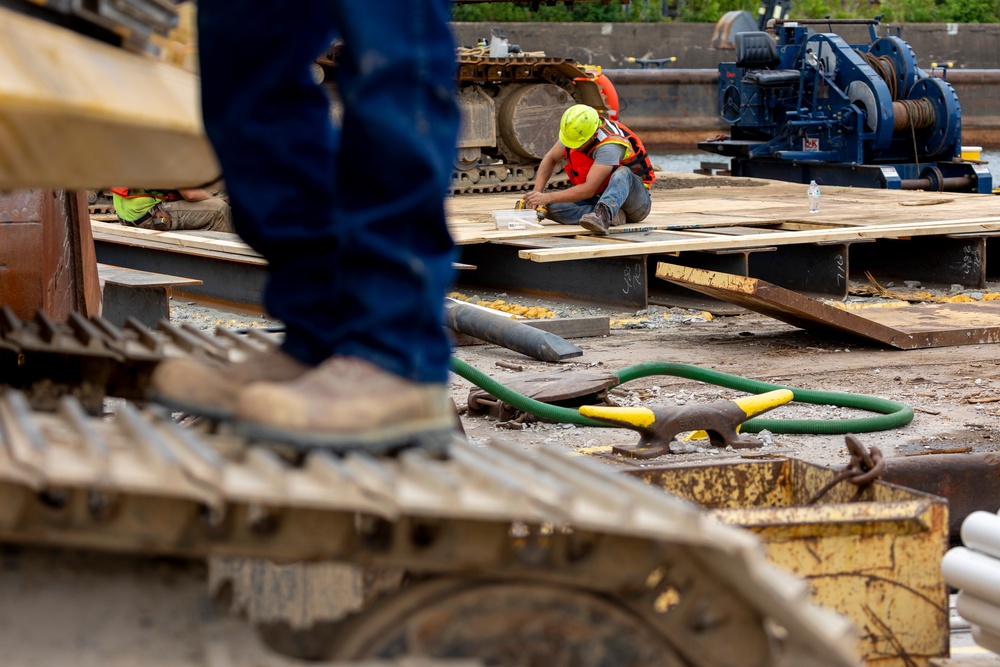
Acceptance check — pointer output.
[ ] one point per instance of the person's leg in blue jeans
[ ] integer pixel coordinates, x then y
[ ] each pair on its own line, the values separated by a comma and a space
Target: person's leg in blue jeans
569, 213
359, 258
627, 192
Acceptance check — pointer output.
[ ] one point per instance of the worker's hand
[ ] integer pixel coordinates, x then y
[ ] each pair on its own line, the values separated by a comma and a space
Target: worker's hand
536, 199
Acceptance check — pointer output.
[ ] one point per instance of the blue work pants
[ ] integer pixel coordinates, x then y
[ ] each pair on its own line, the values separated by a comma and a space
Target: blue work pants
625, 191
350, 218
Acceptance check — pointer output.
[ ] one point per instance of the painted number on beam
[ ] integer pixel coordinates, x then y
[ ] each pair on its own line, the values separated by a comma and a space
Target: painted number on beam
633, 278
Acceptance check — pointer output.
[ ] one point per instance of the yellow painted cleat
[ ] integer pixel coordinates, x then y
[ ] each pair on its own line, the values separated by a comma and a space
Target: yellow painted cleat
628, 417
752, 405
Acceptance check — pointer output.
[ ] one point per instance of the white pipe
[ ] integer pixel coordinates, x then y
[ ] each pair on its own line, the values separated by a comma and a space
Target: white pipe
978, 611
981, 532
973, 571
986, 638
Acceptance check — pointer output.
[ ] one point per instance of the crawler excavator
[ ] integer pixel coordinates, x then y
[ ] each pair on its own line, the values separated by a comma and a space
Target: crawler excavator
510, 105
111, 525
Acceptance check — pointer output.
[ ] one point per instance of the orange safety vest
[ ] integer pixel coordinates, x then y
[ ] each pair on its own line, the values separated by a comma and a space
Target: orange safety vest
578, 163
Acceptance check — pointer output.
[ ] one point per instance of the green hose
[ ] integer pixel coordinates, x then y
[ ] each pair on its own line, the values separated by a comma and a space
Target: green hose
891, 414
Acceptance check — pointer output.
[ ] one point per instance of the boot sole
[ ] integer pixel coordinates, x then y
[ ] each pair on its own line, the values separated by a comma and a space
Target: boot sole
200, 409
590, 226
431, 435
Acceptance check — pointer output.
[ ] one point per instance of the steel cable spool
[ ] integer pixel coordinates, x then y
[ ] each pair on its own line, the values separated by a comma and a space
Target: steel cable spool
885, 67
936, 117
899, 60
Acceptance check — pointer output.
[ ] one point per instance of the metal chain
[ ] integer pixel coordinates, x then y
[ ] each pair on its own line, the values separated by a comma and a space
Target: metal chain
864, 468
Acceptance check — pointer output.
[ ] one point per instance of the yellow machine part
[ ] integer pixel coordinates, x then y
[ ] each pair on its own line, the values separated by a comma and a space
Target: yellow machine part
876, 558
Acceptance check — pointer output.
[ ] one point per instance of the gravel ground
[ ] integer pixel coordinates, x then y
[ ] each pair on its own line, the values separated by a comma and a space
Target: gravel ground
954, 391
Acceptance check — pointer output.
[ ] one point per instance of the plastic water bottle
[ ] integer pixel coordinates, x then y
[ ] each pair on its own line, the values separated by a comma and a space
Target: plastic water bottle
813, 193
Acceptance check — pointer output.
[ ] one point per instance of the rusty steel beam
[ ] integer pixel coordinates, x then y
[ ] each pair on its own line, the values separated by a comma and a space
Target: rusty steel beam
47, 254
970, 482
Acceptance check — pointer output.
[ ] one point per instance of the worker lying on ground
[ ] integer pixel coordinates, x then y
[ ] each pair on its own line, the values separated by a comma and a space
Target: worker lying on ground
608, 167
171, 210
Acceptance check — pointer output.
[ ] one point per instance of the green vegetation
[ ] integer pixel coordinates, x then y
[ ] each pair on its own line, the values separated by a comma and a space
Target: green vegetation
709, 11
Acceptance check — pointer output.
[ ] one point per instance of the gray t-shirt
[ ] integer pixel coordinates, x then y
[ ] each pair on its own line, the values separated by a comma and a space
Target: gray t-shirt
609, 154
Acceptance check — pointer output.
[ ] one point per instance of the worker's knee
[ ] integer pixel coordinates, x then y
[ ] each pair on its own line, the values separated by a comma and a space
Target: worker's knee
221, 215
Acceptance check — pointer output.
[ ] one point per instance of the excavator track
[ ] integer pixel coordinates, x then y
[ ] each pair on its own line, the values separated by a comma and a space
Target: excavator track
491, 538
511, 108
510, 114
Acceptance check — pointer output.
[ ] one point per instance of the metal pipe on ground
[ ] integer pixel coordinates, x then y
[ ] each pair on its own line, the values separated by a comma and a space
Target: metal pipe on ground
500, 330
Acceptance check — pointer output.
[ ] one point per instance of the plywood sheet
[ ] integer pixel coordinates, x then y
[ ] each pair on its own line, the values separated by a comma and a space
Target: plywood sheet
904, 327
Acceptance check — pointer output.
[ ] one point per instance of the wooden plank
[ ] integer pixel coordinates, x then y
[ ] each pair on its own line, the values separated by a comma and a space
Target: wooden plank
190, 240
906, 327
715, 242
547, 242
75, 112
118, 275
156, 244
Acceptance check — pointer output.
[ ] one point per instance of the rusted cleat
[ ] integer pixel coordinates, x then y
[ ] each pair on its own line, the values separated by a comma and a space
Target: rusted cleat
659, 427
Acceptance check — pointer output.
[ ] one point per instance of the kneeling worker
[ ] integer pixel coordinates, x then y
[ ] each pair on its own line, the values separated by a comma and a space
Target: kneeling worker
172, 210
609, 170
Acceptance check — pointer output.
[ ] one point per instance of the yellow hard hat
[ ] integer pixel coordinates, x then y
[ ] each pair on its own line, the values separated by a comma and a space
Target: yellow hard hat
578, 125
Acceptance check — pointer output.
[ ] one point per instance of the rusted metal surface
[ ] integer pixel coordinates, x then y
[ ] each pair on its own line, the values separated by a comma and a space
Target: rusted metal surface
970, 482
947, 259
141, 484
875, 559
45, 256
906, 328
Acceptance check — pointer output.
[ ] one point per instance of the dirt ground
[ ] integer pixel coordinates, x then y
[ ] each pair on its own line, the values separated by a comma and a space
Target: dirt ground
954, 391
950, 389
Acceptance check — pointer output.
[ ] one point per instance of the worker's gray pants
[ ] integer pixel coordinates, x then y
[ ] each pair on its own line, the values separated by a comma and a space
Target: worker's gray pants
212, 215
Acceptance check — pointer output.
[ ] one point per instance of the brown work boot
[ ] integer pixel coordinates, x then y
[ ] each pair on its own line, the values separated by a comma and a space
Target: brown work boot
210, 389
348, 403
599, 220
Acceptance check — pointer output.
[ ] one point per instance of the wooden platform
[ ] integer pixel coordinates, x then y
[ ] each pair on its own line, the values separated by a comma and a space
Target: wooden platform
742, 213
740, 226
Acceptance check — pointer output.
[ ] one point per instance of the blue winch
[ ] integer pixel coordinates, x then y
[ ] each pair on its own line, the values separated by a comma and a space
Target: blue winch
805, 105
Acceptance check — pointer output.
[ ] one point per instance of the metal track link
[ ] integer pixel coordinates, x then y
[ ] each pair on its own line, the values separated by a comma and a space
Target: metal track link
140, 483
91, 359
499, 178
